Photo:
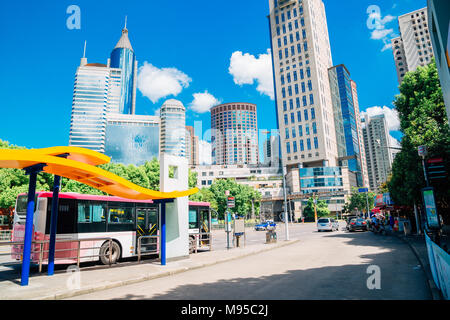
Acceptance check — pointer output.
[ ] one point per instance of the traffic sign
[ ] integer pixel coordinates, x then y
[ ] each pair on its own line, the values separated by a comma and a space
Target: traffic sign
230, 202
422, 151
436, 169
362, 190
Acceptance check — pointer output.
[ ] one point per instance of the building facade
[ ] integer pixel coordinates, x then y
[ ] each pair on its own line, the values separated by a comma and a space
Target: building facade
439, 25
301, 58
192, 147
173, 128
234, 134
378, 154
413, 48
132, 139
96, 91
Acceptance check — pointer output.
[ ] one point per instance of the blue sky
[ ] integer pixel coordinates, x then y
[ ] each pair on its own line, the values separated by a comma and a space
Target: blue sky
194, 38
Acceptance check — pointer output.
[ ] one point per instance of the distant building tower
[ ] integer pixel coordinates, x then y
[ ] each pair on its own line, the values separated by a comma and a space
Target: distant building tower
123, 57
234, 134
173, 128
376, 143
413, 48
192, 147
96, 92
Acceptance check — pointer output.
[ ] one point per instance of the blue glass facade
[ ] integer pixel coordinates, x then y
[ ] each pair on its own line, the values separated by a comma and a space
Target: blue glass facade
124, 59
132, 143
311, 179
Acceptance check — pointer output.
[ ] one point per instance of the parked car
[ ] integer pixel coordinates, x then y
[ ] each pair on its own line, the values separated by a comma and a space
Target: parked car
265, 225
357, 224
327, 224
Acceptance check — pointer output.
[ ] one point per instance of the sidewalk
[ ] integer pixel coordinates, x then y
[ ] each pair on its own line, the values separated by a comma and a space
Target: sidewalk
64, 285
419, 247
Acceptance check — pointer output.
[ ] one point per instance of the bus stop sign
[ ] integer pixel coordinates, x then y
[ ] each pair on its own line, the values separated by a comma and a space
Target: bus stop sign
230, 202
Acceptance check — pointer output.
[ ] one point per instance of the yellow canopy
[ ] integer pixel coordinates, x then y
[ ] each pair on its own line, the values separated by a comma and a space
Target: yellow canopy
80, 165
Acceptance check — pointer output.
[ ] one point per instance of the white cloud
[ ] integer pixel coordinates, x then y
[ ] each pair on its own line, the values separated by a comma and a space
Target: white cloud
155, 83
203, 102
391, 115
380, 34
387, 46
246, 69
204, 152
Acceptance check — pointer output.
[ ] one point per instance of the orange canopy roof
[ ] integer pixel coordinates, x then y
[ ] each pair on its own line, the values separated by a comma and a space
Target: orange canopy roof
80, 165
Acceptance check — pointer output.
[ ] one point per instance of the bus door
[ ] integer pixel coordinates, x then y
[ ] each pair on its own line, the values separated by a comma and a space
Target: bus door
205, 222
147, 225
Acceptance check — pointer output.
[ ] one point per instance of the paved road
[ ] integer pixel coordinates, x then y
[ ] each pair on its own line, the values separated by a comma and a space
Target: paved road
320, 266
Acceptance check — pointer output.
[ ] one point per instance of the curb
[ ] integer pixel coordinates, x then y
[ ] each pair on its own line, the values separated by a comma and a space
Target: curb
65, 295
435, 293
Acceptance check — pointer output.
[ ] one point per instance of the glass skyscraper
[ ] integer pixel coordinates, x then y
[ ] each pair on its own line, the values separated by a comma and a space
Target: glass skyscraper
123, 57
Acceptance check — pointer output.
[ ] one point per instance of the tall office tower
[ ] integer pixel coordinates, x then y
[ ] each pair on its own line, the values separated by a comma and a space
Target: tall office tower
301, 57
173, 128
362, 149
192, 147
234, 134
271, 150
347, 134
123, 57
439, 17
132, 139
413, 48
376, 143
96, 91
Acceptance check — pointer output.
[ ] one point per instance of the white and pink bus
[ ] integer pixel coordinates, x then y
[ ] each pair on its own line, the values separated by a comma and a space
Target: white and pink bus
82, 216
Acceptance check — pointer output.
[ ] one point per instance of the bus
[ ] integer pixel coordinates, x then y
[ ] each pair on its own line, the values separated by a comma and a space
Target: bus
199, 224
82, 216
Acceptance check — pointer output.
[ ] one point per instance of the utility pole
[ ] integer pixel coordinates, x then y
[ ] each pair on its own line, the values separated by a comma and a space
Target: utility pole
315, 209
285, 205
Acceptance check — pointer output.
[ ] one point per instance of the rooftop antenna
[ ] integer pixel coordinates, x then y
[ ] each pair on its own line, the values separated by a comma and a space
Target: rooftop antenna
126, 22
84, 51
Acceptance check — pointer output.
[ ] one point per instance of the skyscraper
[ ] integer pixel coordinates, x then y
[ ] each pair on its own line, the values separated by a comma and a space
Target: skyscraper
376, 143
234, 136
413, 48
123, 57
173, 128
192, 151
349, 149
301, 58
96, 91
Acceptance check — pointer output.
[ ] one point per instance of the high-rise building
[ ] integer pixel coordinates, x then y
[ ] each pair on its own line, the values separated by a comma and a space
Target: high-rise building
234, 136
192, 151
378, 154
271, 150
301, 58
439, 25
347, 133
132, 139
173, 128
413, 48
96, 91
123, 58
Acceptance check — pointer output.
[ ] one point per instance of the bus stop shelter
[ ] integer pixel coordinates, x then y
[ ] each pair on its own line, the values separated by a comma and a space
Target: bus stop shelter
77, 164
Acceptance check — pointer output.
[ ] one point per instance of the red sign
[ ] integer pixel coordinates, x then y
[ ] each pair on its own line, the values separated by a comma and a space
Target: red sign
435, 160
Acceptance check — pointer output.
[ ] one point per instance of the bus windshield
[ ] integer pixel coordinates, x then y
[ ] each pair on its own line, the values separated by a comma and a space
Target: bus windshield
22, 201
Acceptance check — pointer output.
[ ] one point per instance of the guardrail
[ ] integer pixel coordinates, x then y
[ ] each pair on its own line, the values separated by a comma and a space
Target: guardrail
200, 238
41, 250
147, 252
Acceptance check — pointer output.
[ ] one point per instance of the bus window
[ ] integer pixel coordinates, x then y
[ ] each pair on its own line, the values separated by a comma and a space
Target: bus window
67, 216
204, 216
193, 219
91, 217
121, 217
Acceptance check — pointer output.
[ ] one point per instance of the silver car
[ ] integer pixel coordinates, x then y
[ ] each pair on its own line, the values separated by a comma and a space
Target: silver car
327, 224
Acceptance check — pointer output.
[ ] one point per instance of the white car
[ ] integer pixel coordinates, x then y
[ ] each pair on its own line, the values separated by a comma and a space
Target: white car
327, 224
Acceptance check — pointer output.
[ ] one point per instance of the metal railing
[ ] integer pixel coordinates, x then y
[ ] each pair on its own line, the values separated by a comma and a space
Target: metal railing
147, 252
199, 238
40, 251
5, 235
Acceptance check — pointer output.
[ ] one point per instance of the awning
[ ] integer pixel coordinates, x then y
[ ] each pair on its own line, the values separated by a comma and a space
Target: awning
79, 164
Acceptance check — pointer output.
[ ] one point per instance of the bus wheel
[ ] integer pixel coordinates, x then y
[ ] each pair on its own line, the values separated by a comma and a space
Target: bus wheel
104, 252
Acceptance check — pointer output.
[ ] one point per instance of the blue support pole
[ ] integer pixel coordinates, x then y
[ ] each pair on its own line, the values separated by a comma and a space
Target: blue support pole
163, 233
28, 228
53, 224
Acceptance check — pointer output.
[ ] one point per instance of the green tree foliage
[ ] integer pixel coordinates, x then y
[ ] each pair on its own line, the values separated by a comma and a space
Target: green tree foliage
358, 200
321, 209
423, 121
243, 195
